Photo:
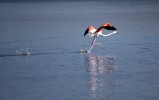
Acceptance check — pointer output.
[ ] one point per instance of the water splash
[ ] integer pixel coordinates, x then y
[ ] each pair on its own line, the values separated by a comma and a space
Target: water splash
23, 51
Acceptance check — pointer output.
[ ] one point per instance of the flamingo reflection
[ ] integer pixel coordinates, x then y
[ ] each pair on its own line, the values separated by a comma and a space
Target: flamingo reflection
101, 83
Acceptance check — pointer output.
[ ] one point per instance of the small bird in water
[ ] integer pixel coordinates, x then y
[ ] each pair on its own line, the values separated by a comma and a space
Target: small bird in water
93, 32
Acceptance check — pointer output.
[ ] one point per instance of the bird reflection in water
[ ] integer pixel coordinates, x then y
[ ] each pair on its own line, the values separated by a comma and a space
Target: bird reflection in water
101, 70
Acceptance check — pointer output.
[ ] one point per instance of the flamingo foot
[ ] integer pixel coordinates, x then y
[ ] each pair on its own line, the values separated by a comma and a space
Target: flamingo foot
83, 51
89, 51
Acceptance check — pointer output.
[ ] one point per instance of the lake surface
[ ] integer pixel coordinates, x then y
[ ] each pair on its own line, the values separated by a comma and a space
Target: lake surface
125, 67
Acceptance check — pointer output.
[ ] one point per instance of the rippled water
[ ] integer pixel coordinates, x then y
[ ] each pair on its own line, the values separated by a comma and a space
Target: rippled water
124, 67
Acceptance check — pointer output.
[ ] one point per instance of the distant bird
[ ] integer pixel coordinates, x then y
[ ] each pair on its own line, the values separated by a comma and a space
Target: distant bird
93, 32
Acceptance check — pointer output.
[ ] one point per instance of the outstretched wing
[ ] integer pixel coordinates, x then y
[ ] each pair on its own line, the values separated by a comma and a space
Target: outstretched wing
110, 28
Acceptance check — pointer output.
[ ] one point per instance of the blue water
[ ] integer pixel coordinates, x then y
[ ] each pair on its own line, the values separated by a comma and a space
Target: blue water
125, 67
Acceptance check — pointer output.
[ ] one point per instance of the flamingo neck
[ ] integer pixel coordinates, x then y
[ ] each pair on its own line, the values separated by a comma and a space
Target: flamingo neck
99, 29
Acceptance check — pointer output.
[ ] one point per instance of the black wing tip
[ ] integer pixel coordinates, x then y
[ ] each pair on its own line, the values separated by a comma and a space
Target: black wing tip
115, 29
110, 28
86, 32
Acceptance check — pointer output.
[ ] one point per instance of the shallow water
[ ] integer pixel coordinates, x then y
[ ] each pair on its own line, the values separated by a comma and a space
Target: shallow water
124, 67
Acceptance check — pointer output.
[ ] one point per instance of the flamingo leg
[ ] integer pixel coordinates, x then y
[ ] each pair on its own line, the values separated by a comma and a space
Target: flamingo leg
93, 43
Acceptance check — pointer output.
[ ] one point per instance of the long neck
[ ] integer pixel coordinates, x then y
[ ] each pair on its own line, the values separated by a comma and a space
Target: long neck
99, 29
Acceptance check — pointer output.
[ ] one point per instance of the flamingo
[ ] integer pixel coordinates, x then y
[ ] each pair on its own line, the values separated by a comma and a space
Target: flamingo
93, 32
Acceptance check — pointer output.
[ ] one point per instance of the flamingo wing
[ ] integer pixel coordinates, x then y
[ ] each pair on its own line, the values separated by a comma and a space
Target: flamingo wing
110, 27
90, 30
86, 32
